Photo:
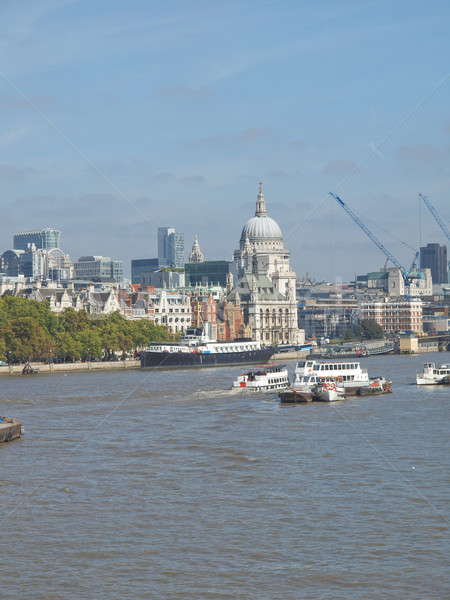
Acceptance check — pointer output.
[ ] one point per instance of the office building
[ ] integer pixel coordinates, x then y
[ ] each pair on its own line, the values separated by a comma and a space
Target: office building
141, 265
176, 254
434, 257
98, 268
209, 272
44, 239
170, 248
164, 245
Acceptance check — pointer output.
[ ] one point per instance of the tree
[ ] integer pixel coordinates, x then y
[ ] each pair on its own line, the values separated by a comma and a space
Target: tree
368, 329
90, 344
26, 340
349, 336
67, 347
72, 321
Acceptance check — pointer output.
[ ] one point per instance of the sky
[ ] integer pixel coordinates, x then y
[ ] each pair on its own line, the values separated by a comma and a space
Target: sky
122, 117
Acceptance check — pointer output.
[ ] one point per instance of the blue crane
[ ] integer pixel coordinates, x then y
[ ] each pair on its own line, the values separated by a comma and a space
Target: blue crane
436, 215
407, 275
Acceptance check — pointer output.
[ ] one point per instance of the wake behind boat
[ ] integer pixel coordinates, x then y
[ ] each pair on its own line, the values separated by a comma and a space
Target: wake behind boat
196, 350
263, 378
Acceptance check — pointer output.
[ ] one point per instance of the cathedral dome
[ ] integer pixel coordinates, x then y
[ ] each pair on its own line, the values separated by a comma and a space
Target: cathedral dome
261, 227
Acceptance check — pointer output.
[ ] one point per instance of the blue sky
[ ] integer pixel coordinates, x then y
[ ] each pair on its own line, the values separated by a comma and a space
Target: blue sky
121, 117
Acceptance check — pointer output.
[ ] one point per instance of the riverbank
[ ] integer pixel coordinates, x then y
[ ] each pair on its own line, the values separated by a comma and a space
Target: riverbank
109, 365
70, 367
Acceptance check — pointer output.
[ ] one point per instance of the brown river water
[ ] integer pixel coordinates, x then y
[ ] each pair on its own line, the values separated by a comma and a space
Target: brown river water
165, 484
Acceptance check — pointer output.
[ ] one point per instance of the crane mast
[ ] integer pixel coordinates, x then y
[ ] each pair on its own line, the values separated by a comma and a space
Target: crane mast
374, 239
436, 215
407, 277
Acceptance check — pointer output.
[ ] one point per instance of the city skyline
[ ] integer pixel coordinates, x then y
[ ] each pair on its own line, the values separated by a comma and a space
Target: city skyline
118, 119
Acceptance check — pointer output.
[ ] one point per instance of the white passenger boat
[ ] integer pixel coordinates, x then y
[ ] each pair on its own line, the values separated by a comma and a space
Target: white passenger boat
264, 378
432, 375
356, 381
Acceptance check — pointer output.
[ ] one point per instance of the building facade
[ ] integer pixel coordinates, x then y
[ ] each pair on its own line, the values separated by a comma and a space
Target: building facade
172, 310
394, 315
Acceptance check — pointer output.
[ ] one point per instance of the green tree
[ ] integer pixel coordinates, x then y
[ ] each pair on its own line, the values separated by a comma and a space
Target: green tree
73, 321
349, 336
90, 344
368, 329
26, 340
68, 348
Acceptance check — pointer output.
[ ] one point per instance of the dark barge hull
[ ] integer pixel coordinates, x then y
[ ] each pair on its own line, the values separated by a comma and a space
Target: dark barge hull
293, 396
199, 359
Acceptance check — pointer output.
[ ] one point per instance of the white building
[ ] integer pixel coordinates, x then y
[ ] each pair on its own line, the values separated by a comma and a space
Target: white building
265, 283
172, 310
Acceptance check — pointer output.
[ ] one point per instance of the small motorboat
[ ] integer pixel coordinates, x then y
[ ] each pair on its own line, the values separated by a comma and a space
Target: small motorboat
433, 375
377, 385
329, 390
264, 378
10, 429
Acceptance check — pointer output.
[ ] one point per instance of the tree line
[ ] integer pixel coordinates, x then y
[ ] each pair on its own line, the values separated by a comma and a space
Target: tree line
29, 330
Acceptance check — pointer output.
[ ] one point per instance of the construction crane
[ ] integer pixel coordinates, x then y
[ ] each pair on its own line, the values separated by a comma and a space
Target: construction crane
407, 276
436, 215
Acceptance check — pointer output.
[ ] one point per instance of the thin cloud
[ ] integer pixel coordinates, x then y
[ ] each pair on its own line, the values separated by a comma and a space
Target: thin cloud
10, 138
166, 177
184, 92
339, 166
250, 134
8, 172
298, 145
417, 153
14, 102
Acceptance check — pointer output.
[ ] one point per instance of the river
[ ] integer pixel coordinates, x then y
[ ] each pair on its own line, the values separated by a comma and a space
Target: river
166, 485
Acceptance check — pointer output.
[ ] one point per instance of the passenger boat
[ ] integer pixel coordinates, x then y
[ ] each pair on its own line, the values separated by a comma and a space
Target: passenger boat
354, 378
197, 350
432, 375
264, 378
10, 429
